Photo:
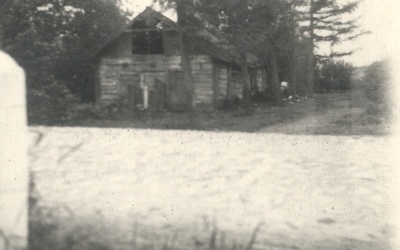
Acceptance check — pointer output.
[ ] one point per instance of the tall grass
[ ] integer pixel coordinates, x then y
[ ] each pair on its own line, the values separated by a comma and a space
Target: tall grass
55, 226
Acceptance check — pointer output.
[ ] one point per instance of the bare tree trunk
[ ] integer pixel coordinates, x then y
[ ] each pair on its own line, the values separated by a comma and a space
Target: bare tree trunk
276, 88
230, 86
293, 66
245, 79
185, 61
310, 70
311, 58
241, 46
293, 73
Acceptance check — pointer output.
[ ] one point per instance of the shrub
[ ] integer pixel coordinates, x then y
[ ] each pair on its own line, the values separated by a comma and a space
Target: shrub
376, 79
53, 103
49, 102
377, 88
331, 72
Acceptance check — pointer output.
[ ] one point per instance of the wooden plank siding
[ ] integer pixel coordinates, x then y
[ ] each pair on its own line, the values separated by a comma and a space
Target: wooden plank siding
153, 68
223, 83
237, 82
230, 83
215, 85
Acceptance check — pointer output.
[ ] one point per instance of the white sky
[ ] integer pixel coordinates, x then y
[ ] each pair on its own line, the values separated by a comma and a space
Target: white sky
138, 6
381, 17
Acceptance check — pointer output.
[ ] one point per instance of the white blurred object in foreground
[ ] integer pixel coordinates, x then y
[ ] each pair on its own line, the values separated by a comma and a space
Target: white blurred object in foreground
14, 177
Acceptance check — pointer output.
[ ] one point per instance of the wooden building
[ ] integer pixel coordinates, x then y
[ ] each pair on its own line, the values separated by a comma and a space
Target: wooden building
141, 67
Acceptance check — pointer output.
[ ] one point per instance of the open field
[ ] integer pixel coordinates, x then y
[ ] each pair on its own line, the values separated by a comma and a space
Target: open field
315, 174
328, 114
180, 189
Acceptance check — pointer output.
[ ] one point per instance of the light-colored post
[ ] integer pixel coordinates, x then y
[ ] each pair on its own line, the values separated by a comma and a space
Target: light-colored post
14, 176
145, 97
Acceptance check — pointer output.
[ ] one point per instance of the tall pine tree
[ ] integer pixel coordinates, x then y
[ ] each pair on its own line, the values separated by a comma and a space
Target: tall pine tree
328, 22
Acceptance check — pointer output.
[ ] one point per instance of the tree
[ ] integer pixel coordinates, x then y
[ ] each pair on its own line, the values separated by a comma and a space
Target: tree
251, 26
54, 37
182, 10
248, 25
4, 15
29, 42
278, 44
236, 22
334, 75
94, 22
327, 23
187, 26
51, 39
378, 89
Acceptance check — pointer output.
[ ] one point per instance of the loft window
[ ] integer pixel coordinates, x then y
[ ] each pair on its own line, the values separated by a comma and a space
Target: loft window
147, 42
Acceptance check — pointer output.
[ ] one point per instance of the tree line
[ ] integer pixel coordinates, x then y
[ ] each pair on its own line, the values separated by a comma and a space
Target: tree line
284, 34
53, 40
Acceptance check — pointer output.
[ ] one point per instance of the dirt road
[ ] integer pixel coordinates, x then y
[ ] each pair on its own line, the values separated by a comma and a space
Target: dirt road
331, 114
204, 190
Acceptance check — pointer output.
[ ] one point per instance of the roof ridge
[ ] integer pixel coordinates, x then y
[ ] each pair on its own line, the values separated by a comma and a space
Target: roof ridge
130, 23
218, 41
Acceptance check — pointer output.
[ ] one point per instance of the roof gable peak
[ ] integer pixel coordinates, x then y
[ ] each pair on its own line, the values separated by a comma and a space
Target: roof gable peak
151, 18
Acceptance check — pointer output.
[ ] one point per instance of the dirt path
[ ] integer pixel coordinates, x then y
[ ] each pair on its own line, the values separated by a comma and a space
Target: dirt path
182, 189
324, 116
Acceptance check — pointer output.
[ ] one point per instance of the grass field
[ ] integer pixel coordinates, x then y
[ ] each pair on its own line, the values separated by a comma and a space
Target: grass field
329, 113
309, 175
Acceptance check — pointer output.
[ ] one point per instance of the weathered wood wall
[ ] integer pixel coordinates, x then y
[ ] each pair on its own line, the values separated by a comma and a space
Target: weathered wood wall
222, 82
230, 84
152, 68
237, 82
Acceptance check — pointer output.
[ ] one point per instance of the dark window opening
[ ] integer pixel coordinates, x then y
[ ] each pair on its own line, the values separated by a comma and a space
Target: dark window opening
147, 42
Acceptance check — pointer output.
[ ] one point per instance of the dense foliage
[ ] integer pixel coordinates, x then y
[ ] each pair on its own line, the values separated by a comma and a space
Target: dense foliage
334, 75
328, 22
378, 89
283, 34
53, 40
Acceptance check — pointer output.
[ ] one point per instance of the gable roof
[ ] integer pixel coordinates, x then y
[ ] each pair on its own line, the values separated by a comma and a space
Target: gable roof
213, 45
144, 15
150, 13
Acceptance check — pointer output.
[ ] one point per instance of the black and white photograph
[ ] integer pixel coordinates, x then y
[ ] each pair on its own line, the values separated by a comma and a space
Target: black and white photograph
199, 125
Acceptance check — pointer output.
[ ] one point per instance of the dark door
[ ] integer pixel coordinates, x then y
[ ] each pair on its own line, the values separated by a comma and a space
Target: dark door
177, 94
158, 98
130, 91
